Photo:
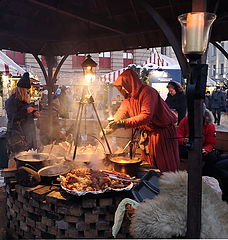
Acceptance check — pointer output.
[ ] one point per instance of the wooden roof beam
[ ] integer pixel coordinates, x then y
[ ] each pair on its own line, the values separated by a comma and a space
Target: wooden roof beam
107, 9
79, 16
134, 11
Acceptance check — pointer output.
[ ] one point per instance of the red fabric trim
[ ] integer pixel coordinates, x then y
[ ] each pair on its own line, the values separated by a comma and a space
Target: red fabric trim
6, 69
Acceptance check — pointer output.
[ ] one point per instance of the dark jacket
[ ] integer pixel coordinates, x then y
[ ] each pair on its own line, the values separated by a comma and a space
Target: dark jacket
178, 103
20, 122
208, 102
218, 100
64, 105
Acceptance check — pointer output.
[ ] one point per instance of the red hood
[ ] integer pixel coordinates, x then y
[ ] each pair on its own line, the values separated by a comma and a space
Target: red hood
130, 81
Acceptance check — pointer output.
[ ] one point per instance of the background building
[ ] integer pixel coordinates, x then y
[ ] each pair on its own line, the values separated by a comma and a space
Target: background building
71, 71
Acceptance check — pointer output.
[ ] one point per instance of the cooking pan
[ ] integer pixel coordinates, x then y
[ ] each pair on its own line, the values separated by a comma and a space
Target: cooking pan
36, 160
124, 164
50, 173
55, 170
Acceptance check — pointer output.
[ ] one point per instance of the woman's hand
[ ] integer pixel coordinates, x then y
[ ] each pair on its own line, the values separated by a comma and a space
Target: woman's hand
36, 114
116, 124
107, 131
30, 109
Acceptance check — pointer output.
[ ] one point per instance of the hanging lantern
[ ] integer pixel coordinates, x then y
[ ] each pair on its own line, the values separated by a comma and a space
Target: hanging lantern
89, 69
195, 33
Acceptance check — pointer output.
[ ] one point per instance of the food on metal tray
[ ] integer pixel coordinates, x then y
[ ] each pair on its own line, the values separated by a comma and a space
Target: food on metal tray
85, 179
118, 174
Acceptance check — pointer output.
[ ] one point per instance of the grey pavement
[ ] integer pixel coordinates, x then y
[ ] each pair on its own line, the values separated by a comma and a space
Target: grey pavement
224, 123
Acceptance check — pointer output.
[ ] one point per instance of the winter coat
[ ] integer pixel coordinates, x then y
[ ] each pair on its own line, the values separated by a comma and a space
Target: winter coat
209, 138
43, 125
218, 100
178, 103
145, 109
208, 102
20, 122
64, 105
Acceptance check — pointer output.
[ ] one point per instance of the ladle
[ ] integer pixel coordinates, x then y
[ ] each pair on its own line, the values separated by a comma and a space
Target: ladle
51, 148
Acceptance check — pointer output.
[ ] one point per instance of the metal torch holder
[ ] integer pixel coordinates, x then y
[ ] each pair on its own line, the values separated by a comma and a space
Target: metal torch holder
86, 99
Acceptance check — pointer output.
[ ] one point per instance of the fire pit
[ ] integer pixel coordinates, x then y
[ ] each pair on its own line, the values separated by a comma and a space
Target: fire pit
49, 212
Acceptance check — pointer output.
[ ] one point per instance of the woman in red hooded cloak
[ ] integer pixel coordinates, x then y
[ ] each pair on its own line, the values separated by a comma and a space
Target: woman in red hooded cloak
144, 108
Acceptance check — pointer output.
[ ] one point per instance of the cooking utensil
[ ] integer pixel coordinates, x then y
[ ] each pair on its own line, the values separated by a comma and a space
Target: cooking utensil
36, 160
50, 173
123, 179
55, 170
27, 177
124, 164
49, 154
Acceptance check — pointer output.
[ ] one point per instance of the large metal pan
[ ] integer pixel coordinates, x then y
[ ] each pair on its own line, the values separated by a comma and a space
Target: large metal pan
50, 173
36, 160
124, 164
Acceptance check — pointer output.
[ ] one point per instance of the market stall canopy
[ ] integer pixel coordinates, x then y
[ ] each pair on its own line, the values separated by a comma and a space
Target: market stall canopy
160, 60
50, 27
155, 61
8, 66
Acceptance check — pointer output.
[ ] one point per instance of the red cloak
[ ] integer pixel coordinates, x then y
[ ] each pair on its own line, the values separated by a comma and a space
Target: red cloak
209, 138
145, 109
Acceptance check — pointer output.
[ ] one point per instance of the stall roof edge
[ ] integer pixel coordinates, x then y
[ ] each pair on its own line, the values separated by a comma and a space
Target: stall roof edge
69, 27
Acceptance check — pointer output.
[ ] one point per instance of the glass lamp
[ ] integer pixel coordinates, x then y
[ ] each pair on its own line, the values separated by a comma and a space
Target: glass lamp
195, 33
89, 67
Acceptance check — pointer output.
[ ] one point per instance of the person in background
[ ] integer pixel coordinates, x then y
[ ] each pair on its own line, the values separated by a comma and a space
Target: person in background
64, 103
208, 100
57, 135
226, 96
21, 131
209, 139
217, 104
176, 99
44, 99
143, 108
222, 175
214, 165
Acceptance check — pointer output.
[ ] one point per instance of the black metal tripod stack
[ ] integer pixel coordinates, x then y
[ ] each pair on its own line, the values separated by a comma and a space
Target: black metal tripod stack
86, 99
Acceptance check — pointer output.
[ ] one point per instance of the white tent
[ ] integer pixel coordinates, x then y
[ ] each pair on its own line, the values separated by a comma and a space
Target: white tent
155, 61
160, 60
8, 66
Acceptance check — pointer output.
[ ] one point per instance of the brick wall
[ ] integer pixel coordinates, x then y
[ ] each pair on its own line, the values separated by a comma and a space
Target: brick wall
49, 212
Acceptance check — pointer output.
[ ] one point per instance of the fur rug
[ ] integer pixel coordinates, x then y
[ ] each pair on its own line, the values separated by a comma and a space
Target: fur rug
165, 216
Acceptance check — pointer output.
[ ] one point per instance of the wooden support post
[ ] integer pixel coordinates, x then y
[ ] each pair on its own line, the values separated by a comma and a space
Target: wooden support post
50, 64
169, 35
50, 79
196, 86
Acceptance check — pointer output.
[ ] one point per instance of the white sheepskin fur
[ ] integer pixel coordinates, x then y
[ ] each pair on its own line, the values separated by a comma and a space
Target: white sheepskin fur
165, 216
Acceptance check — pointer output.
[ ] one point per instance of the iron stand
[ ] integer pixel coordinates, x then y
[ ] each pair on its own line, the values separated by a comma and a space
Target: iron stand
86, 99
